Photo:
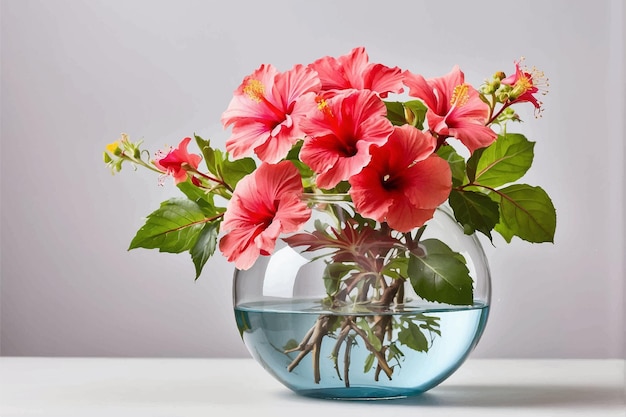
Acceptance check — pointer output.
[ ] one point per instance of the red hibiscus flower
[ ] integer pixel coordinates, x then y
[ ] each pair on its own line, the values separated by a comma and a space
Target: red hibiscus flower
340, 134
355, 71
454, 108
265, 204
266, 110
404, 182
525, 85
173, 162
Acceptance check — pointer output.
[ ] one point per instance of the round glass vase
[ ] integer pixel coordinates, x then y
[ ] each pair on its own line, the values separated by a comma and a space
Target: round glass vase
349, 309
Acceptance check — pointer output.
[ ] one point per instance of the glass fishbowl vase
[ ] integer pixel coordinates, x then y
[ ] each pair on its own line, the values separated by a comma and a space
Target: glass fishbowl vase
348, 308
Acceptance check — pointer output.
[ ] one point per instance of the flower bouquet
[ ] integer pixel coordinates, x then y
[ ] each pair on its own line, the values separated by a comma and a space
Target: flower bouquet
325, 167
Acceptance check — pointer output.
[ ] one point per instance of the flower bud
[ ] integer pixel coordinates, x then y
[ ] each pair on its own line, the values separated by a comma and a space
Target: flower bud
114, 148
409, 116
504, 93
487, 89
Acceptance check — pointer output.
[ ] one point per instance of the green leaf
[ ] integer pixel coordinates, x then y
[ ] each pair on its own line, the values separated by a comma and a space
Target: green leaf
291, 344
173, 227
192, 192
411, 112
395, 113
205, 246
472, 164
504, 161
430, 323
217, 162
526, 212
208, 153
333, 273
475, 211
413, 338
233, 171
294, 156
456, 162
396, 268
243, 322
441, 275
394, 353
371, 337
369, 363
201, 197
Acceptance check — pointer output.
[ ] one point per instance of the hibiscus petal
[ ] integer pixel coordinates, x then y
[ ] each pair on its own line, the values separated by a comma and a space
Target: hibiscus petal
428, 182
266, 240
410, 145
404, 217
444, 88
292, 212
369, 196
472, 135
344, 168
237, 247
265, 204
383, 80
419, 88
246, 137
335, 73
277, 147
300, 83
320, 153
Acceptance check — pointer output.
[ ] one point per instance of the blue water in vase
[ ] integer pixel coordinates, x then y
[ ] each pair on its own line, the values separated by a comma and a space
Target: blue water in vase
269, 328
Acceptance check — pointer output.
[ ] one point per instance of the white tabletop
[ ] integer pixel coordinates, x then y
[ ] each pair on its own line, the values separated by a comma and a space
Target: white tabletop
233, 387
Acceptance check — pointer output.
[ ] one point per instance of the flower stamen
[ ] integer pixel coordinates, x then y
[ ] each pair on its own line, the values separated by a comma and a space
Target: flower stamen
460, 95
322, 105
535, 77
255, 90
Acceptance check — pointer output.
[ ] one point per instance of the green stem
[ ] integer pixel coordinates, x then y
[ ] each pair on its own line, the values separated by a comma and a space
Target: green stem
140, 162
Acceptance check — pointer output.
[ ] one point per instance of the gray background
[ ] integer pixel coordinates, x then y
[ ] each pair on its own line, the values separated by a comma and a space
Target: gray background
77, 73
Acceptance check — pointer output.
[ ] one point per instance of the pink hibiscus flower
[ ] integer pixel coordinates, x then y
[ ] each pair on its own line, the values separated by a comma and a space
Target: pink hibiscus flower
525, 85
266, 110
265, 204
340, 134
454, 108
355, 71
404, 183
174, 162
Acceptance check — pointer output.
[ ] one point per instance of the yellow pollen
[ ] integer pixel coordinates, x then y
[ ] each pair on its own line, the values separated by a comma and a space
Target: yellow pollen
322, 105
255, 90
460, 95
524, 83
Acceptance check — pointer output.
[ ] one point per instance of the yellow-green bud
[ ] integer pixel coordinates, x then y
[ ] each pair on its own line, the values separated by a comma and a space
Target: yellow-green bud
409, 116
489, 89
